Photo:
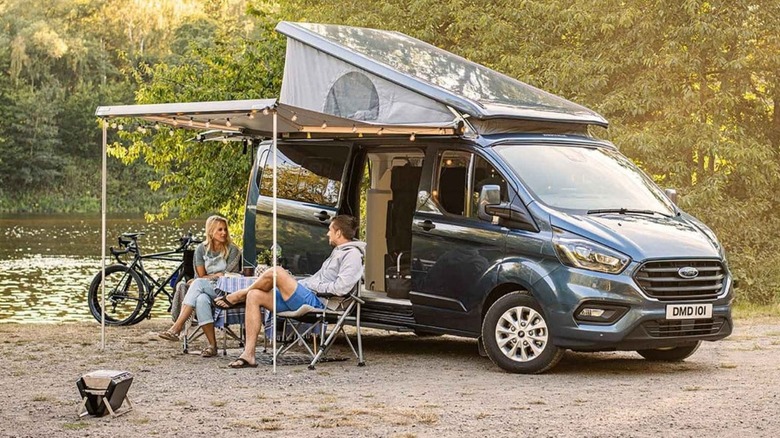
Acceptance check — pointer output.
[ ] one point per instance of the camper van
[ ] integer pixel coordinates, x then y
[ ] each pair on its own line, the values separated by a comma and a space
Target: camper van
517, 227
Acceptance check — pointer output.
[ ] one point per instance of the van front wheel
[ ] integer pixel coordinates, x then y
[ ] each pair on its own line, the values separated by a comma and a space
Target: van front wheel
516, 335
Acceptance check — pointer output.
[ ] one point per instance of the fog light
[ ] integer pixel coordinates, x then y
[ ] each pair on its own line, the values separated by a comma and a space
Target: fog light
599, 313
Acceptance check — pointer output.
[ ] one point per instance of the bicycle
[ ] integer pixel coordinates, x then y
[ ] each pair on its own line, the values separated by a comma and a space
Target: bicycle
130, 289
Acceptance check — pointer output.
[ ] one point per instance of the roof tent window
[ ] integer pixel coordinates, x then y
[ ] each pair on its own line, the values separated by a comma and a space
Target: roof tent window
443, 69
353, 96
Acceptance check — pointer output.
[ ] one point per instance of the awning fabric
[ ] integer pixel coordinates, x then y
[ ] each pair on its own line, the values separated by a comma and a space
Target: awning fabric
253, 118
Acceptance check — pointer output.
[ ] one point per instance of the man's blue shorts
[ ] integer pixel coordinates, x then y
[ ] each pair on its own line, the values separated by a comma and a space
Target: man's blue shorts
301, 296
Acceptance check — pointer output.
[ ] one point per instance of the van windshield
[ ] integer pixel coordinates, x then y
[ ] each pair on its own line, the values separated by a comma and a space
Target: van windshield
582, 178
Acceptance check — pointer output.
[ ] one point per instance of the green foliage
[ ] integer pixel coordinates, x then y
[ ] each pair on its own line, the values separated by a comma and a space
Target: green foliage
691, 89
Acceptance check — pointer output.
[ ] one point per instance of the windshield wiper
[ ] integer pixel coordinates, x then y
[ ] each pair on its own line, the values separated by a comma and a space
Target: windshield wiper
625, 211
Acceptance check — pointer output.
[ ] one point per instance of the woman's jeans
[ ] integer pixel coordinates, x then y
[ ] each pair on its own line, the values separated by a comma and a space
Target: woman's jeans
201, 296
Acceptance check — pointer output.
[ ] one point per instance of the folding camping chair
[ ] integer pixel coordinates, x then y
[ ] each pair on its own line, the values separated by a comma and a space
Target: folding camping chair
305, 321
223, 319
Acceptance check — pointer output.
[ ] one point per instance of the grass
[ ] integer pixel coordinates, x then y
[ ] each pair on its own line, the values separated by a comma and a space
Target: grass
751, 311
75, 426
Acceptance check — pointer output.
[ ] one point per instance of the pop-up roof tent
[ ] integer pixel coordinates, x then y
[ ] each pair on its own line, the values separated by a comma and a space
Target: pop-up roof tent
344, 82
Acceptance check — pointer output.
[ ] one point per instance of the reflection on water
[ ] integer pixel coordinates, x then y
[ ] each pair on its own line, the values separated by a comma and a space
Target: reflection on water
47, 262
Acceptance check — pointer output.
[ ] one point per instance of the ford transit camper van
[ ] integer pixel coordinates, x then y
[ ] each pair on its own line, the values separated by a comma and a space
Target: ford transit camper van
517, 227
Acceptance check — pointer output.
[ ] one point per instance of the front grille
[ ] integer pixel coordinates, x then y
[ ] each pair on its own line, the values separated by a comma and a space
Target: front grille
661, 279
686, 327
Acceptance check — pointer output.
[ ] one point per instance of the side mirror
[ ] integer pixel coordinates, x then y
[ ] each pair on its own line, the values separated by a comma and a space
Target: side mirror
672, 195
489, 195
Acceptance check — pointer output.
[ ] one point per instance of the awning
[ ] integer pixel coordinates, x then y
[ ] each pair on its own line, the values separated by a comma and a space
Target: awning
253, 118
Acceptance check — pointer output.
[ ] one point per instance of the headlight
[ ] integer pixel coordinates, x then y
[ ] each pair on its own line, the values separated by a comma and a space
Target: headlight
579, 252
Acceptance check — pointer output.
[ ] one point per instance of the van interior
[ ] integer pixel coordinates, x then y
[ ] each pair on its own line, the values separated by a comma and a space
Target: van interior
391, 198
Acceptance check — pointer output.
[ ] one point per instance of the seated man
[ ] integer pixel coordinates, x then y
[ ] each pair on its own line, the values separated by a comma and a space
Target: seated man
338, 275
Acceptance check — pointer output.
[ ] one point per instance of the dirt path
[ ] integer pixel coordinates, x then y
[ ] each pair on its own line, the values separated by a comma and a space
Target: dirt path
412, 387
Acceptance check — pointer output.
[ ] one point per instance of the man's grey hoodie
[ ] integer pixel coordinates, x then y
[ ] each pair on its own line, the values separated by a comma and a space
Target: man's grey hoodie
340, 272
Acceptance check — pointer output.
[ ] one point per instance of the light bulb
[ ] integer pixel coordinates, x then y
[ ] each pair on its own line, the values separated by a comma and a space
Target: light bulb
171, 132
265, 111
175, 122
294, 117
120, 127
190, 122
380, 131
227, 123
411, 137
354, 128
156, 126
251, 115
113, 125
324, 125
208, 124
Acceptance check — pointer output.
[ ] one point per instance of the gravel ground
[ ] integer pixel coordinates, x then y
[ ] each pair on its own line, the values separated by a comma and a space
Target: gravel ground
411, 387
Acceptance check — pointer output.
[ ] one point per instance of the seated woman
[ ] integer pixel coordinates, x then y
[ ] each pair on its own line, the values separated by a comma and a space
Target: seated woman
213, 258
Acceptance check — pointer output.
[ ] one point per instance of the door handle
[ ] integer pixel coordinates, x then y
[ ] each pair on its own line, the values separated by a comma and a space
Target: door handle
426, 225
322, 216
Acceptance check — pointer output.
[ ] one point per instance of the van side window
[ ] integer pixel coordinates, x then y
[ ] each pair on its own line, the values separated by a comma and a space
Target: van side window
306, 173
461, 176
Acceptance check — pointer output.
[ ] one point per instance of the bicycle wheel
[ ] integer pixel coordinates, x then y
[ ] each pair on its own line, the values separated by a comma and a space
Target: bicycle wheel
124, 295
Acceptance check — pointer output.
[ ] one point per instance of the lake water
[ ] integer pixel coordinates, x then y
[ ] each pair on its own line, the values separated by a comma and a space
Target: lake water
48, 261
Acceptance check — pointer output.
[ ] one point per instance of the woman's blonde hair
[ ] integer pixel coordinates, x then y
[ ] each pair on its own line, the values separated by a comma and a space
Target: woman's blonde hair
211, 225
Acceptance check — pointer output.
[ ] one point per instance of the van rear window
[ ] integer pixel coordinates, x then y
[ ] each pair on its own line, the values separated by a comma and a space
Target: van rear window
306, 173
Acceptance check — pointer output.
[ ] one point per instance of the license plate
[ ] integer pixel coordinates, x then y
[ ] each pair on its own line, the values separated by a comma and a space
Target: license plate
689, 311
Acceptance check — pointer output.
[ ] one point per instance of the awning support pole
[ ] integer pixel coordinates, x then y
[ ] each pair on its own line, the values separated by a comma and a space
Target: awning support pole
274, 248
103, 241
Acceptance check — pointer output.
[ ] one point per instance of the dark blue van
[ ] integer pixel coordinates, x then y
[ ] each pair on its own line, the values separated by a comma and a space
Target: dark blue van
518, 228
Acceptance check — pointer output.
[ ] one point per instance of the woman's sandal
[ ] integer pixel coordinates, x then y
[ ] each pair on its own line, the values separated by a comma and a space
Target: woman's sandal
169, 336
208, 352
242, 363
223, 303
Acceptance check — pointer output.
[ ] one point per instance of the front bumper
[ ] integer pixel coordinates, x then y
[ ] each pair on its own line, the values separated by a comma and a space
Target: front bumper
643, 326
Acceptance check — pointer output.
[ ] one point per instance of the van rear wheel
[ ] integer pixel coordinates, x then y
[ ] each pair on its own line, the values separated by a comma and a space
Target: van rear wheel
516, 335
672, 354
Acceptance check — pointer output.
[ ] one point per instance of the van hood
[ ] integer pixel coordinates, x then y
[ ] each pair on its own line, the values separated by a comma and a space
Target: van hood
640, 236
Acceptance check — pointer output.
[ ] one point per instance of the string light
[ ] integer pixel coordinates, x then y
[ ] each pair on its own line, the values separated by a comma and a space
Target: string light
324, 125
113, 125
208, 124
224, 140
265, 111
251, 115
380, 131
294, 117
156, 126
227, 123
175, 122
120, 127
170, 132
190, 122
354, 128
308, 135
411, 137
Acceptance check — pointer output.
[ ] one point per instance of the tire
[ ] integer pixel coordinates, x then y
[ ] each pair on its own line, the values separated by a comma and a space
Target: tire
124, 295
516, 319
672, 354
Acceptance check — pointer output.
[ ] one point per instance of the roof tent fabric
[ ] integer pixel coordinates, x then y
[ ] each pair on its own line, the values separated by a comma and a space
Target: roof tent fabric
407, 76
319, 82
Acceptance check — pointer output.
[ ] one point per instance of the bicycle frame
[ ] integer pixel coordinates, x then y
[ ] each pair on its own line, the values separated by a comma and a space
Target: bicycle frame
150, 283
